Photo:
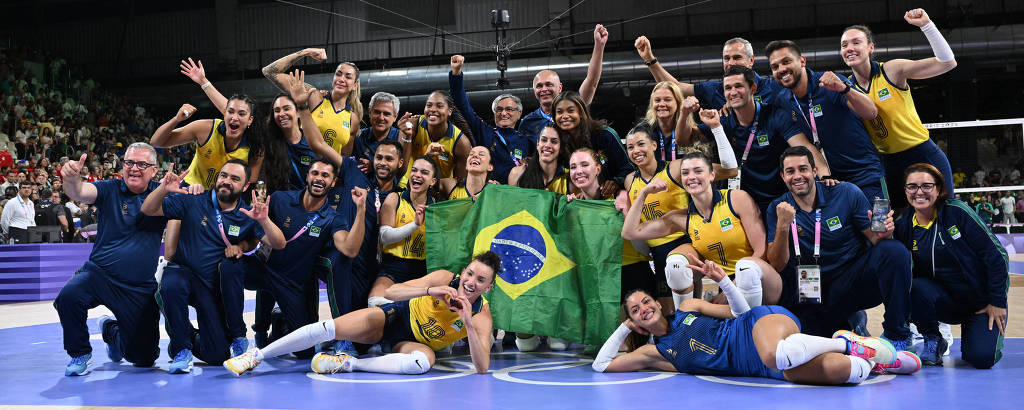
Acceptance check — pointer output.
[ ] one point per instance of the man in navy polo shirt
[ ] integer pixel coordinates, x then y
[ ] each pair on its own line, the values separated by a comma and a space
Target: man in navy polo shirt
764, 129
737, 52
214, 226
309, 224
855, 275
830, 114
383, 113
119, 272
508, 147
547, 85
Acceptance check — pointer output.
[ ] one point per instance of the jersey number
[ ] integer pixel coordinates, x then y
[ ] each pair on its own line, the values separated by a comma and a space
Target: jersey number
879, 127
210, 174
651, 211
720, 250
432, 330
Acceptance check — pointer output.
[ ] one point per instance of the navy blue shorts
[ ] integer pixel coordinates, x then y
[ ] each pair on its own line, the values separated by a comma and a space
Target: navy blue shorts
396, 325
400, 269
745, 359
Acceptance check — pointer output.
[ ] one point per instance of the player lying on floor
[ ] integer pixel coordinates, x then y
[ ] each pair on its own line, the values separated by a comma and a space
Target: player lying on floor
734, 340
429, 313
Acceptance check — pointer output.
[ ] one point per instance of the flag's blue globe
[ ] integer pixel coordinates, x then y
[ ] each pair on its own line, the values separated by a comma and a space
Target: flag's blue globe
522, 252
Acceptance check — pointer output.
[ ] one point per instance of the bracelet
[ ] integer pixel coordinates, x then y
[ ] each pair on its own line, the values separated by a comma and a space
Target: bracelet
302, 107
652, 62
846, 90
428, 290
206, 85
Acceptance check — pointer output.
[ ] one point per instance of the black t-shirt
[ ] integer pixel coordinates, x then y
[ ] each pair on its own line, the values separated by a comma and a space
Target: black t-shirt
47, 212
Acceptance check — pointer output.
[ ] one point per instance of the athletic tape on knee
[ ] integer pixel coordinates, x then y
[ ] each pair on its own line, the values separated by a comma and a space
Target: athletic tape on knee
375, 301
677, 274
748, 280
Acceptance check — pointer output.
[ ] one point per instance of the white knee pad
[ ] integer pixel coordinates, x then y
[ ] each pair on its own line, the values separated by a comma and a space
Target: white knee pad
748, 280
528, 344
415, 363
678, 275
375, 301
790, 353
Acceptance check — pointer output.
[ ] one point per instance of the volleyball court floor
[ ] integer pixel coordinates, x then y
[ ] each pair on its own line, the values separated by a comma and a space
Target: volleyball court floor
32, 363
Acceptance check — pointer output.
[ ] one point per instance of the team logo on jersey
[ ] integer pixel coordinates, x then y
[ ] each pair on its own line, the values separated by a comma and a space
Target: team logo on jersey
883, 94
689, 319
203, 222
762, 140
124, 208
696, 234
234, 230
458, 325
346, 124
915, 245
314, 231
817, 110
833, 223
306, 160
517, 154
757, 98
529, 256
287, 222
954, 232
726, 224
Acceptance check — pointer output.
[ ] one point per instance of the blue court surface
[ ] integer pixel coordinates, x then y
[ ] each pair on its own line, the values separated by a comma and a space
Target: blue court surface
33, 364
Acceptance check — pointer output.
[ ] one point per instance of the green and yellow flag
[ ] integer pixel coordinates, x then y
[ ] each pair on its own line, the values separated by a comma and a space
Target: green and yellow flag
561, 261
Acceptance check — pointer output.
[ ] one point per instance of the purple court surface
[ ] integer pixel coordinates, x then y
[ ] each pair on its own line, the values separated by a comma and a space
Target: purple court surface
33, 366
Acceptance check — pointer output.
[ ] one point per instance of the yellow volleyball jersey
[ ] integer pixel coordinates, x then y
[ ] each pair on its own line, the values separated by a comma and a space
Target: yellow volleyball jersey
897, 127
434, 324
445, 161
334, 125
720, 236
413, 246
629, 254
560, 183
212, 155
460, 191
658, 204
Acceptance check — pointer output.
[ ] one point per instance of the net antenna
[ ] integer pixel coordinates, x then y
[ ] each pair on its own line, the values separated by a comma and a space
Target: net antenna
500, 21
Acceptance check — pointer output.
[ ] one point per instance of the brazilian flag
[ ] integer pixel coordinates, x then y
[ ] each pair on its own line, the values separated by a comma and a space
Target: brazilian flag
561, 260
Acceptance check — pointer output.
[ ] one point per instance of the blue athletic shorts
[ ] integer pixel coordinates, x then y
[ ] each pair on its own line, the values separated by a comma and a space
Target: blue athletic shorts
745, 359
396, 325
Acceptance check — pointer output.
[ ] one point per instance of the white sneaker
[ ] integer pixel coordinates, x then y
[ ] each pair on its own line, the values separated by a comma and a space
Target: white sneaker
529, 344
331, 363
557, 344
947, 333
243, 362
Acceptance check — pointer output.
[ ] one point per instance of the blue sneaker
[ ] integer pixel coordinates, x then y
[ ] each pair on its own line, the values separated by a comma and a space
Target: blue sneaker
239, 346
182, 362
346, 347
79, 365
932, 349
112, 352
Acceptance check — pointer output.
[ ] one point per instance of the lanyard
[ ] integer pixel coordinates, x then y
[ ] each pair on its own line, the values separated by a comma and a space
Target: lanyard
376, 201
753, 131
304, 228
24, 207
665, 144
220, 219
817, 237
810, 120
546, 115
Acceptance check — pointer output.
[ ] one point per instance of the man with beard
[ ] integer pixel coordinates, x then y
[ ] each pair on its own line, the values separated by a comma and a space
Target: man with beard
831, 224
309, 223
831, 114
759, 132
383, 113
213, 227
508, 147
547, 85
119, 272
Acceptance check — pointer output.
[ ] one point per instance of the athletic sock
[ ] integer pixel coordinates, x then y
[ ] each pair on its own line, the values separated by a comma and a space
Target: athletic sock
678, 298
302, 338
798, 348
860, 369
394, 363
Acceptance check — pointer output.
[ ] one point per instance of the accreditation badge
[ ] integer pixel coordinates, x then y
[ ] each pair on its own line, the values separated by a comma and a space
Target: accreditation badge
734, 182
809, 278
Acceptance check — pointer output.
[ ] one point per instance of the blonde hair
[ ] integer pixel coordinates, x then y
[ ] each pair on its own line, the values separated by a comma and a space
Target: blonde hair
677, 93
354, 95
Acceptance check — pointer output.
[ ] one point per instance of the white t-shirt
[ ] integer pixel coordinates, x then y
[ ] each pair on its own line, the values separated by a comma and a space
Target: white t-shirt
1007, 203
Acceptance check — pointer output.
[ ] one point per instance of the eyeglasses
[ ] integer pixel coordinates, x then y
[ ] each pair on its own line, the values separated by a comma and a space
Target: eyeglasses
927, 187
506, 109
138, 164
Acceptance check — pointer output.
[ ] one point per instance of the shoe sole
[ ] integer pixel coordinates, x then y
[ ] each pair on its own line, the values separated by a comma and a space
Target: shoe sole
180, 371
917, 360
853, 337
232, 370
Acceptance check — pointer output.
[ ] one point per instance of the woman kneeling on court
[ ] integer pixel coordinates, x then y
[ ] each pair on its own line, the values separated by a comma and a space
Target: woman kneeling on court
430, 313
733, 340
